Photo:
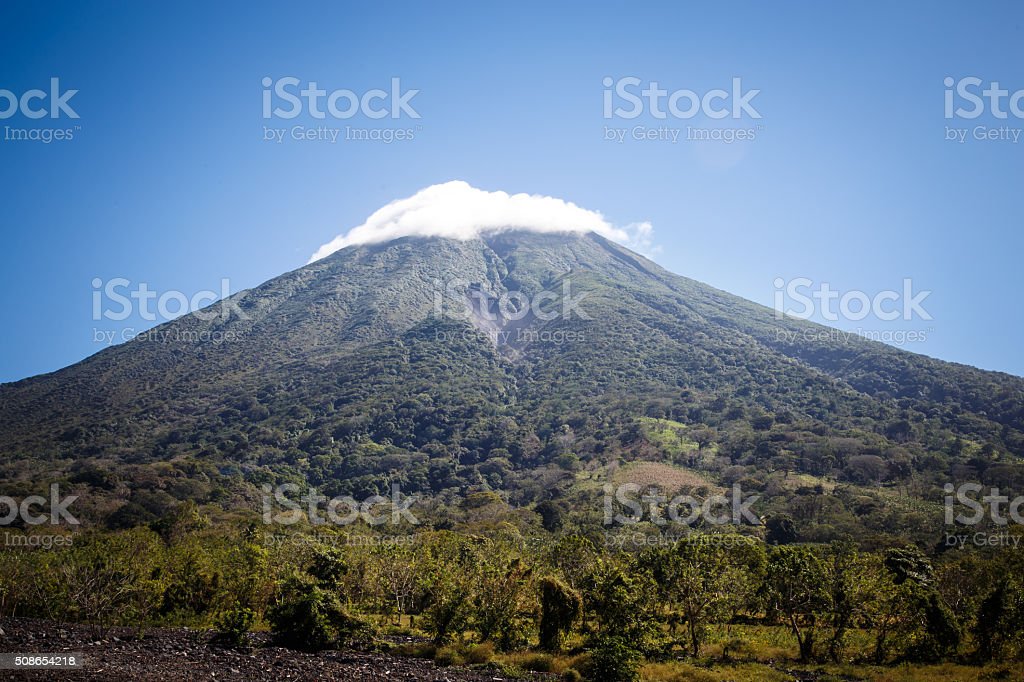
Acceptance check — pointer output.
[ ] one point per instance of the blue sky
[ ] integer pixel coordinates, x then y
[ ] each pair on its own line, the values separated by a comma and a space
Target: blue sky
168, 179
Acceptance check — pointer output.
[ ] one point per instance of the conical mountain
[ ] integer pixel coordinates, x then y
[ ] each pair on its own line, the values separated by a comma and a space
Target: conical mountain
457, 366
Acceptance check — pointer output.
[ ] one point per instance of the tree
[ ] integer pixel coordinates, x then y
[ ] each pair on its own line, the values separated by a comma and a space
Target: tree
448, 579
613, 658
560, 608
307, 616
112, 577
999, 628
849, 589
500, 607
550, 515
398, 570
696, 576
794, 582
624, 605
780, 530
909, 612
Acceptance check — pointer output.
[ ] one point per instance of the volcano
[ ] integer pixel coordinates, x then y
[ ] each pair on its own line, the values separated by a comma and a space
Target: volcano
506, 363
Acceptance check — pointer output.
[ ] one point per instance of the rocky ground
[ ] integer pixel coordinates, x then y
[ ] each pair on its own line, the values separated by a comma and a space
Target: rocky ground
183, 654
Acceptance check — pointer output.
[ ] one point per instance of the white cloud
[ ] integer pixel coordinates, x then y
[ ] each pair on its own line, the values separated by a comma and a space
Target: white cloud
459, 211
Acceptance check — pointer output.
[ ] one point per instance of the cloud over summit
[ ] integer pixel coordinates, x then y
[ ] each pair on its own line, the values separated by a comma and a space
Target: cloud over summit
457, 210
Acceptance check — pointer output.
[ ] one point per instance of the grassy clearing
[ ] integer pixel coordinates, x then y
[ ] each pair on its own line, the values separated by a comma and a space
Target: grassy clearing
667, 477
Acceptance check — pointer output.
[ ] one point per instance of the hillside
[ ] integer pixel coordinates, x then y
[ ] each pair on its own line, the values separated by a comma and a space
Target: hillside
394, 363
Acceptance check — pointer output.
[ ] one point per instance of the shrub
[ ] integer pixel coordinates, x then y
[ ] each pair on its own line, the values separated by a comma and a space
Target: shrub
417, 650
480, 653
613, 659
449, 655
538, 663
306, 616
233, 625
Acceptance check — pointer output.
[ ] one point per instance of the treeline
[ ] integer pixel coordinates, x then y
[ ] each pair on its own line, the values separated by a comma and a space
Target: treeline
498, 591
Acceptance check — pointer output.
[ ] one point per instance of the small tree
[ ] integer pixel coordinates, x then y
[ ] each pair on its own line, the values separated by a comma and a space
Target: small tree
697, 577
849, 590
307, 616
613, 658
794, 582
499, 606
448, 579
999, 629
560, 609
307, 612
623, 602
397, 571
909, 613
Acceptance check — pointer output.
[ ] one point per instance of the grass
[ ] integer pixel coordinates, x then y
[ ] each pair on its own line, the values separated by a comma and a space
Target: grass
757, 653
683, 671
680, 671
670, 437
667, 477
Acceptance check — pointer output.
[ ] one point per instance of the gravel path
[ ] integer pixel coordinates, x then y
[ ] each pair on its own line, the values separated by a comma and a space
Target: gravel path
182, 654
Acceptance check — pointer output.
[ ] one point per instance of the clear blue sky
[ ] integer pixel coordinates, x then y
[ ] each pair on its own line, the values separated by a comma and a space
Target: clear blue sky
168, 180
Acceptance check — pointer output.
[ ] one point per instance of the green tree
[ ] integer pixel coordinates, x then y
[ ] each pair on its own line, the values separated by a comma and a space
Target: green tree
561, 607
698, 577
999, 627
795, 586
307, 612
501, 601
849, 590
448, 580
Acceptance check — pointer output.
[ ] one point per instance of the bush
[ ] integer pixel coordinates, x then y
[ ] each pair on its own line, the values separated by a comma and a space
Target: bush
480, 653
233, 625
613, 659
538, 663
473, 654
309, 617
449, 655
